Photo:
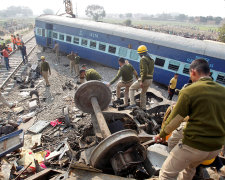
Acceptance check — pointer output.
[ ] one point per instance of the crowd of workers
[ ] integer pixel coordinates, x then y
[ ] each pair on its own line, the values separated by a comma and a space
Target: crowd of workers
5, 50
195, 124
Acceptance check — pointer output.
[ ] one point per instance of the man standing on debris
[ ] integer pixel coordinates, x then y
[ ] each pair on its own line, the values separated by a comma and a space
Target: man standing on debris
23, 50
74, 62
204, 134
126, 71
172, 86
56, 50
146, 72
45, 68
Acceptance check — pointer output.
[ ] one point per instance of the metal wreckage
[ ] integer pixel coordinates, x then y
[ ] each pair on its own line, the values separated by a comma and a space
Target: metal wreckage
96, 138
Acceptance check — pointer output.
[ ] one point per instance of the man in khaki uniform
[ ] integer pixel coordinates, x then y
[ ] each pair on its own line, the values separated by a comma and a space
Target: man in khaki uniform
88, 75
56, 50
45, 69
204, 133
146, 72
172, 86
74, 62
126, 71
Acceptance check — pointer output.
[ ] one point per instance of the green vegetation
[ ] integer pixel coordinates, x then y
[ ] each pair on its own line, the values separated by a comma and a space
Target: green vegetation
222, 33
201, 27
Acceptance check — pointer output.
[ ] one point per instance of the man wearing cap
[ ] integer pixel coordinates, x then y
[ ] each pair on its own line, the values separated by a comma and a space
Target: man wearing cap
126, 71
74, 62
45, 69
146, 72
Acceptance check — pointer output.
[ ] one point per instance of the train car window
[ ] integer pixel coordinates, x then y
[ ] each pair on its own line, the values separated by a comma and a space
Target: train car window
186, 68
221, 78
134, 55
39, 32
112, 49
102, 47
174, 65
76, 40
61, 37
159, 62
93, 44
123, 52
55, 35
43, 32
68, 38
84, 42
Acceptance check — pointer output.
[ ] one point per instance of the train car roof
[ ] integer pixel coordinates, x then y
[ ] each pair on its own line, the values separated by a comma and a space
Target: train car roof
208, 48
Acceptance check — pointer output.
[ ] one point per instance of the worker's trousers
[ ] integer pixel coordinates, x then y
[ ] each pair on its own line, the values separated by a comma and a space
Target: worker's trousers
136, 86
182, 162
74, 67
126, 94
57, 57
3, 101
45, 76
7, 63
176, 136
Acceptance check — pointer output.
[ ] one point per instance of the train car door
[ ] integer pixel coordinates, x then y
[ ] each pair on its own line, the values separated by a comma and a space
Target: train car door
49, 28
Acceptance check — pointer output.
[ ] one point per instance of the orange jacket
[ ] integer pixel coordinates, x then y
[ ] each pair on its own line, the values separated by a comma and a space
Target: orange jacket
18, 42
9, 48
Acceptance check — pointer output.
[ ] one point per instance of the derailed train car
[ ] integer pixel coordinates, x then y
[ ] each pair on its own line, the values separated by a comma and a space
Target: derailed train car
104, 43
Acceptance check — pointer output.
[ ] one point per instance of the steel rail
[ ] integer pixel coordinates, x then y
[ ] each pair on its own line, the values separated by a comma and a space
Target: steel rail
16, 69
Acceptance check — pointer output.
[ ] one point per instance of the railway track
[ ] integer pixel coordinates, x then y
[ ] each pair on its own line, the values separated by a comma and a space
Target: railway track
16, 63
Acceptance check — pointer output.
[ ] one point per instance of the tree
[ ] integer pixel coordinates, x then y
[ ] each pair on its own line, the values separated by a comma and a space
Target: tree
13, 11
48, 11
95, 11
129, 15
218, 20
121, 16
182, 17
128, 22
222, 33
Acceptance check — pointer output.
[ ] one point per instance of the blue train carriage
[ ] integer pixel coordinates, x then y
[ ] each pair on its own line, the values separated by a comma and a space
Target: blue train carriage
104, 43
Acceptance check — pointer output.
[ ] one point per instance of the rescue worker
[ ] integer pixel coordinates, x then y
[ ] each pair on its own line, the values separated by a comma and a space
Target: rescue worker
23, 50
9, 48
5, 54
204, 134
45, 70
56, 50
126, 71
4, 102
90, 74
13, 40
172, 86
74, 62
146, 72
18, 42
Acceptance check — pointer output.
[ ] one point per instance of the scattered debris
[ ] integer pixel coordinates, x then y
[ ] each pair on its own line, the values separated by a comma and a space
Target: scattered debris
38, 126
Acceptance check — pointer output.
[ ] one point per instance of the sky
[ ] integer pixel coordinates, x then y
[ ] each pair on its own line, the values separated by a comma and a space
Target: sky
188, 7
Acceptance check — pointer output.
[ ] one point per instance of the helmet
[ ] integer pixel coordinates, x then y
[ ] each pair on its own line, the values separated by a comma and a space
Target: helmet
142, 49
208, 162
42, 57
